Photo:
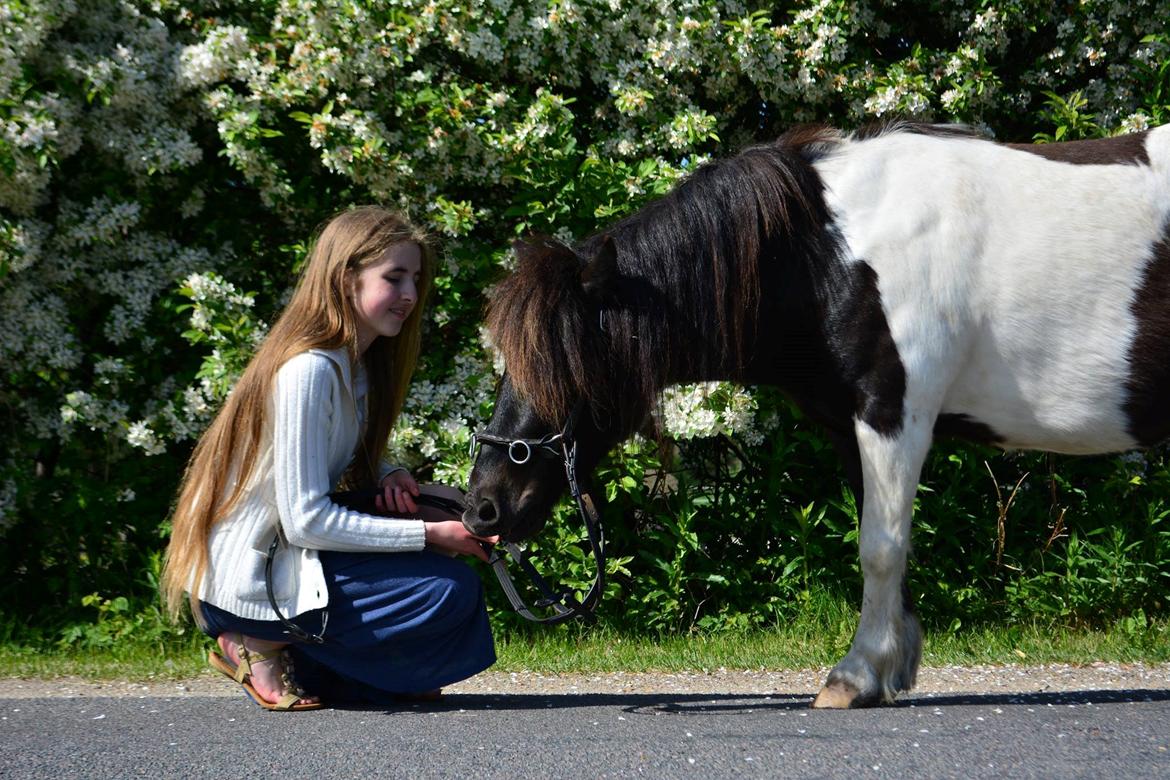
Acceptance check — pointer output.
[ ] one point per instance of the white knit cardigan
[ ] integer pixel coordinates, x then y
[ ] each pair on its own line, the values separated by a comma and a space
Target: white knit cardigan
315, 421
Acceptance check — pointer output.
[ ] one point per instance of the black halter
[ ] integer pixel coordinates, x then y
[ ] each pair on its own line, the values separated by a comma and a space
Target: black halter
563, 605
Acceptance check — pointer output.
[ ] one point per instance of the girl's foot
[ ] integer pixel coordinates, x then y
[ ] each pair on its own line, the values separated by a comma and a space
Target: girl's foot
268, 676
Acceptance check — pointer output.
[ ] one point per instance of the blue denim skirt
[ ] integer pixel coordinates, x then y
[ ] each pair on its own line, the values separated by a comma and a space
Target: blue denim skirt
399, 623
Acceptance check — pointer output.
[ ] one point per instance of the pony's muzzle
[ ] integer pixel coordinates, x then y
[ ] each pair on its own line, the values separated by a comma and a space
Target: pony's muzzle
482, 518
486, 509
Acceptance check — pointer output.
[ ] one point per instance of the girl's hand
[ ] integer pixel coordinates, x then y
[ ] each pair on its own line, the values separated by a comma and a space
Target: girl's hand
450, 537
398, 492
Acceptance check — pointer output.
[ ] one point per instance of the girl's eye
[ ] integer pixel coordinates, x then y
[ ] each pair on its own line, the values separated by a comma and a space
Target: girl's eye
399, 278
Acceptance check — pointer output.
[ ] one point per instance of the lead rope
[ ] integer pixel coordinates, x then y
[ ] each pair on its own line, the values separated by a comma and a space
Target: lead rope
290, 627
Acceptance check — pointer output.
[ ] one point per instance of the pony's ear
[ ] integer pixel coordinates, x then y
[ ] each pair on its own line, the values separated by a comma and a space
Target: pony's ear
545, 251
600, 275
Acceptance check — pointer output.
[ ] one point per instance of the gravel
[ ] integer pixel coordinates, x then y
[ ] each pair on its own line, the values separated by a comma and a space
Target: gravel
932, 680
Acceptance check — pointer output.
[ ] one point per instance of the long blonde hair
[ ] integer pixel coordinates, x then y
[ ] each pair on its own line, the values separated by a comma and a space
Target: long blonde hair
320, 315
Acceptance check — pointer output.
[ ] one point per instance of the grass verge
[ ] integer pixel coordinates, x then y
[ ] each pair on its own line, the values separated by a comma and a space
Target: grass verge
803, 645
817, 637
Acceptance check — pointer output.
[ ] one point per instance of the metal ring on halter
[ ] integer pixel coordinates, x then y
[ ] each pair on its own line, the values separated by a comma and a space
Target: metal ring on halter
527, 452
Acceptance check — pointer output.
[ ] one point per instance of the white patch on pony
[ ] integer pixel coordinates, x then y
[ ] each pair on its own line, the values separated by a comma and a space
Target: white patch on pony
1007, 278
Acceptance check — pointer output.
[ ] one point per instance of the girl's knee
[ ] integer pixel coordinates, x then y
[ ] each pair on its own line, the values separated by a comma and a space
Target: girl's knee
458, 589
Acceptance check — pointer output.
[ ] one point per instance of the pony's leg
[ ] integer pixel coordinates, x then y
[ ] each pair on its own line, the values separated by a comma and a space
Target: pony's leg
888, 646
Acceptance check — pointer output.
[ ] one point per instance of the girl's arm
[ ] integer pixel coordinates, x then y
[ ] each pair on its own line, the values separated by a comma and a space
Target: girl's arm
307, 392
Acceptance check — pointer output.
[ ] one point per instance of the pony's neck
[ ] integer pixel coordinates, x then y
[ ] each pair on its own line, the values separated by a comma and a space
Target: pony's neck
711, 270
687, 340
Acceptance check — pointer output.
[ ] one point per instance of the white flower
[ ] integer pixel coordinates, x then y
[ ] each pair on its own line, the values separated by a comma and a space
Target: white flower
709, 409
1135, 123
213, 59
195, 402
883, 101
140, 435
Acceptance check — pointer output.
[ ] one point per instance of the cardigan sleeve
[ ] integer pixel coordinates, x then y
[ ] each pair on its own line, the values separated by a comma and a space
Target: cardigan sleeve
307, 393
385, 469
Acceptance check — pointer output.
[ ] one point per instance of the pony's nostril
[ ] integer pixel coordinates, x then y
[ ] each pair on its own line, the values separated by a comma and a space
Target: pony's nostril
486, 510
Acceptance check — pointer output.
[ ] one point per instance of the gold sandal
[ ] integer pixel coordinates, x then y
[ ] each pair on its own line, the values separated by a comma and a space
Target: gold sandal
291, 701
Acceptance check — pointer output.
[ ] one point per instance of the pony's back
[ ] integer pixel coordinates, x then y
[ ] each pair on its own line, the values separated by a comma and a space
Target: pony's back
1024, 290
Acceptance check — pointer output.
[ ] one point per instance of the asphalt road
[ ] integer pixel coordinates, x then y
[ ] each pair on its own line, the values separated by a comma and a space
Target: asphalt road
1092, 734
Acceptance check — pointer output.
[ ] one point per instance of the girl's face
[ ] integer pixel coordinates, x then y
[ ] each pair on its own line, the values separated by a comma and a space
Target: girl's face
385, 292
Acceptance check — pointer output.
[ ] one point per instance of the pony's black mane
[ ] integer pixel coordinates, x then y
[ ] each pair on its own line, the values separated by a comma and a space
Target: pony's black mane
688, 297
684, 302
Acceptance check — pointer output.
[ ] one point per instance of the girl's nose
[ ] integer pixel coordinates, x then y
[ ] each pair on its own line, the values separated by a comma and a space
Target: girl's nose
410, 291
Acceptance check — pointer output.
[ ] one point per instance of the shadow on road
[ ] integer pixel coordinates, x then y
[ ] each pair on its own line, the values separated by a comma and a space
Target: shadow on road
1042, 698
701, 703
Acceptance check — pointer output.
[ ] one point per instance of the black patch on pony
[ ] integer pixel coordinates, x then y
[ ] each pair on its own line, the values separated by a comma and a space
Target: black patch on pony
961, 426
1148, 404
682, 288
859, 339
1119, 150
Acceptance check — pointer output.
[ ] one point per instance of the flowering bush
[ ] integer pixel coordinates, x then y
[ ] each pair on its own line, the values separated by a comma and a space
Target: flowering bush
157, 157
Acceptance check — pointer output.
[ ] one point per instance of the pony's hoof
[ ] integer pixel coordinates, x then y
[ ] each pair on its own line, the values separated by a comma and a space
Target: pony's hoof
836, 696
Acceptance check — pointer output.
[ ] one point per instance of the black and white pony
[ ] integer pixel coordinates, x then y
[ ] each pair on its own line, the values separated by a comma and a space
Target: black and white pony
898, 284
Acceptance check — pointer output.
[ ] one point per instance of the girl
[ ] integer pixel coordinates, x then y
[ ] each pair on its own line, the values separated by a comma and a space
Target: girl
380, 605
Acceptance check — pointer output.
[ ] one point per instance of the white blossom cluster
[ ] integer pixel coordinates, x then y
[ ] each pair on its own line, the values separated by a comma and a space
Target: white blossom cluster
99, 248
213, 296
438, 418
97, 414
97, 252
33, 126
81, 280
215, 58
708, 409
219, 315
140, 435
654, 57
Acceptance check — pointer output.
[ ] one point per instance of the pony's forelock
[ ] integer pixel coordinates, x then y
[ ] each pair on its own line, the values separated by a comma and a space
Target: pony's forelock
536, 320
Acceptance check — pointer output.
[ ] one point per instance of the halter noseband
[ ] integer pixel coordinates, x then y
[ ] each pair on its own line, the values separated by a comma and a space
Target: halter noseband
524, 446
563, 604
